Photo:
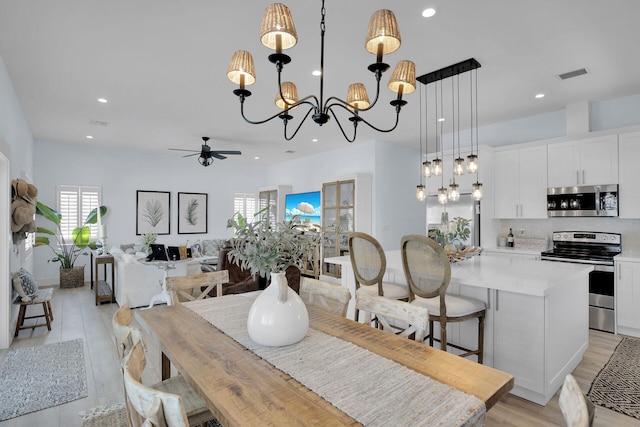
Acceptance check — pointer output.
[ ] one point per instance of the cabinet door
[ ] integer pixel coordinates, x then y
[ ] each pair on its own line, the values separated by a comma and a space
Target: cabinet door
629, 153
533, 182
563, 164
628, 295
599, 161
518, 342
506, 184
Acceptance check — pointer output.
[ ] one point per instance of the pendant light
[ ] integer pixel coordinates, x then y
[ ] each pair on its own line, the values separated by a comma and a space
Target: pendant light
472, 159
476, 192
421, 192
442, 191
436, 164
454, 189
458, 163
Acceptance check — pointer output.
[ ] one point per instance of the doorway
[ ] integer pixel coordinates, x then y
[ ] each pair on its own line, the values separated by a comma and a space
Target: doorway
5, 253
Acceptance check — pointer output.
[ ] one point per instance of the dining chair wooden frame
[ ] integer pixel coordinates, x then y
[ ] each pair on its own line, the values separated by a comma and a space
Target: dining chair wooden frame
182, 288
431, 283
369, 265
394, 316
325, 295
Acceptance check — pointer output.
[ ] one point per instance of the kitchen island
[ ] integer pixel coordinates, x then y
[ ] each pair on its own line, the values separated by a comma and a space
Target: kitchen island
536, 326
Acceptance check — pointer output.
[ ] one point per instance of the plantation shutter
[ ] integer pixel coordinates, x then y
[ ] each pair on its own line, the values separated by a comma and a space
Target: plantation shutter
74, 204
245, 203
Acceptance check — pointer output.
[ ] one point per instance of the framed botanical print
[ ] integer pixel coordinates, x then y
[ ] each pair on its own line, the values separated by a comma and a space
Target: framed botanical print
152, 212
192, 213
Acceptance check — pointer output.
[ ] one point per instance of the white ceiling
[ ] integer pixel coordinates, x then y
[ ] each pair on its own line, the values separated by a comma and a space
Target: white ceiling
162, 65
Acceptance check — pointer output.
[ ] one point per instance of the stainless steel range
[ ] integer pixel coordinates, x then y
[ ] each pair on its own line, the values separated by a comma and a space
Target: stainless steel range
597, 249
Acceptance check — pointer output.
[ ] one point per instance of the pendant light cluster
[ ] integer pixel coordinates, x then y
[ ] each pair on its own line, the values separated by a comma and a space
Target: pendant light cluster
279, 33
435, 168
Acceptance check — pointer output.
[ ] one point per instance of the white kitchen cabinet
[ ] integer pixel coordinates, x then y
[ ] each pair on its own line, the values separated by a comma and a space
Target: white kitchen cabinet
628, 155
591, 161
627, 294
520, 183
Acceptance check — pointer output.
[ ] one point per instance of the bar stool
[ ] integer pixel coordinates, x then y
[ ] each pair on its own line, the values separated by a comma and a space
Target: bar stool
428, 273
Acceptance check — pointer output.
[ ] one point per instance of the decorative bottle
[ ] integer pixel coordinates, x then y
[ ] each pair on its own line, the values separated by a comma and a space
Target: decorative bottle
510, 239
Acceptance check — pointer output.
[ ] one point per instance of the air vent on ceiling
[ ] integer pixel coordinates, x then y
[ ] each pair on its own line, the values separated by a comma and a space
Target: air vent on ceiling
97, 123
289, 151
571, 74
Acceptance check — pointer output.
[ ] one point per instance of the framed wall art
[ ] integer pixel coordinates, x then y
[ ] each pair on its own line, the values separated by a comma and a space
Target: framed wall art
152, 212
192, 213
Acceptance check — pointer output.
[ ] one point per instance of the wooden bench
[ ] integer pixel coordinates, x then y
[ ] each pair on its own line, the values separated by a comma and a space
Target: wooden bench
44, 298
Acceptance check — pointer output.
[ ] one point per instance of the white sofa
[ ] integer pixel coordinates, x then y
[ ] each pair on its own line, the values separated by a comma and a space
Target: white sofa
138, 281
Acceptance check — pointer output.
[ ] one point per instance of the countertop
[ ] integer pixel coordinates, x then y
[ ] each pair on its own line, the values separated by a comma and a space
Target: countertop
515, 250
630, 256
505, 274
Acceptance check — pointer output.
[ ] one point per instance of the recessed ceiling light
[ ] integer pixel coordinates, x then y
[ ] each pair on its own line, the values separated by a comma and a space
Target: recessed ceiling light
102, 100
316, 72
256, 158
314, 140
540, 95
89, 137
429, 12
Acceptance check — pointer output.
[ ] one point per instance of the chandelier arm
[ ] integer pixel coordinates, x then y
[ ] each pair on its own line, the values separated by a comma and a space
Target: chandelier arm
289, 138
304, 101
355, 124
360, 119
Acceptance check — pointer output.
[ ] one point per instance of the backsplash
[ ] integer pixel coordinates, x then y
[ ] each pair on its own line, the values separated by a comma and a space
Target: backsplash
543, 228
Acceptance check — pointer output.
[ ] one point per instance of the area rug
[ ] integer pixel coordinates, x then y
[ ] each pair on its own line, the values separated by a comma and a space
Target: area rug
617, 385
116, 416
35, 378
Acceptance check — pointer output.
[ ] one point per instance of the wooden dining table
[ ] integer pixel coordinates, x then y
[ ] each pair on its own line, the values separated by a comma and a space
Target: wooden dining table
241, 388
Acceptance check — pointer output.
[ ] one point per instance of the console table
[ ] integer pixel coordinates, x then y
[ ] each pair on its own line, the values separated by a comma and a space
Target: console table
105, 292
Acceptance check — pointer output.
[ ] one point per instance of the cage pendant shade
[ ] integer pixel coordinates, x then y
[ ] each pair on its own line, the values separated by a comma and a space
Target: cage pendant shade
383, 33
290, 93
403, 77
241, 65
357, 96
421, 193
277, 21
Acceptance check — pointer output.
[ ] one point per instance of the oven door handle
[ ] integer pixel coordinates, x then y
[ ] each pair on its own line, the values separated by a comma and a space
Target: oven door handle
597, 200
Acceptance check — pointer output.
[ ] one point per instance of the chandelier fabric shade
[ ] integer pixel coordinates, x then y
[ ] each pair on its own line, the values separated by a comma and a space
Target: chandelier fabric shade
403, 79
357, 96
383, 35
290, 92
278, 31
241, 70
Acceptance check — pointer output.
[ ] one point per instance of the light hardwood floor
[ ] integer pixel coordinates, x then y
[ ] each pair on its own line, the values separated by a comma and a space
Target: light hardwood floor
76, 316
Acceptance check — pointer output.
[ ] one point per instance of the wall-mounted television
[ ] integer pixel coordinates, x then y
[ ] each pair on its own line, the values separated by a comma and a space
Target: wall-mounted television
305, 205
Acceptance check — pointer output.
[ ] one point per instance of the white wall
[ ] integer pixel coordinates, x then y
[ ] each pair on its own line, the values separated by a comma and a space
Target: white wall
16, 149
122, 173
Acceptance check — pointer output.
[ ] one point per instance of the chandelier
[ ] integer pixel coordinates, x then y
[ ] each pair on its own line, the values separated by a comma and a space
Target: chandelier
278, 33
435, 167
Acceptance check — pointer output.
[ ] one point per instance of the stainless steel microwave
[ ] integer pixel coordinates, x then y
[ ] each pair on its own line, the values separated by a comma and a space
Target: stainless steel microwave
585, 200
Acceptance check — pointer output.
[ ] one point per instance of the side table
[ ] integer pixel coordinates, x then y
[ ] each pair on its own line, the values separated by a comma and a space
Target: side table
105, 291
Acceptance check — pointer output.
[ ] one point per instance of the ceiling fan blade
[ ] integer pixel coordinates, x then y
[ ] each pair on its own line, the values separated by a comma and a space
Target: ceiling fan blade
181, 149
190, 155
227, 152
217, 155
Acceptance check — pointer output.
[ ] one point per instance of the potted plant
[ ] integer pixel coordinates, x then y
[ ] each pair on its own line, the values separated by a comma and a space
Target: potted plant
278, 316
67, 251
452, 237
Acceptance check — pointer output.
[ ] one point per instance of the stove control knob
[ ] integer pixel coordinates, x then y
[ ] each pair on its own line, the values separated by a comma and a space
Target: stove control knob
605, 238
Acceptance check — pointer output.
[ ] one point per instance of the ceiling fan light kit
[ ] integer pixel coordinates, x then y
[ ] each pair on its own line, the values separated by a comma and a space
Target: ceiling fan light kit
278, 33
207, 154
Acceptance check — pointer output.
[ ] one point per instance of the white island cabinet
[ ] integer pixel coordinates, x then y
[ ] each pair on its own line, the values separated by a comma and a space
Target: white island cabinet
536, 327
627, 293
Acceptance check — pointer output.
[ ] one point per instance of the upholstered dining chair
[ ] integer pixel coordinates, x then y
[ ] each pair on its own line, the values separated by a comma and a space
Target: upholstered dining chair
148, 406
395, 316
325, 295
577, 410
126, 337
196, 286
369, 264
427, 270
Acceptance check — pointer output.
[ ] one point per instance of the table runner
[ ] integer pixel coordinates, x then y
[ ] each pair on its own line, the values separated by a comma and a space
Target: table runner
373, 390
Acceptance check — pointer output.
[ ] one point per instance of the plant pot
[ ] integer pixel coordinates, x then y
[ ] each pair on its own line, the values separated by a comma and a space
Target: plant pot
71, 277
278, 317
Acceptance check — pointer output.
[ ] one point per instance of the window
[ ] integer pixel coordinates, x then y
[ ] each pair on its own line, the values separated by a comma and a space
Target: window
74, 204
245, 203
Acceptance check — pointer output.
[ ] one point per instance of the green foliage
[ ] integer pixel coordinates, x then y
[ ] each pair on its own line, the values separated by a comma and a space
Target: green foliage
65, 252
263, 249
152, 212
456, 233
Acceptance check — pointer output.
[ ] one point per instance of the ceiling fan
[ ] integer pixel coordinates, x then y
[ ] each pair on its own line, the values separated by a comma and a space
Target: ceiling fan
206, 153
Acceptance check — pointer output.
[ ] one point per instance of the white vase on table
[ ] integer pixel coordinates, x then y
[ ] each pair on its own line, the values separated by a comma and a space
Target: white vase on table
278, 317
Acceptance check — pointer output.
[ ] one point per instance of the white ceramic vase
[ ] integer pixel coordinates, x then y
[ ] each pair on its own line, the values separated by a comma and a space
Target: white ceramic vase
278, 317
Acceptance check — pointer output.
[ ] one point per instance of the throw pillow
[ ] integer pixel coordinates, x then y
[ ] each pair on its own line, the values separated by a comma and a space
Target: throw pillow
29, 284
128, 248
